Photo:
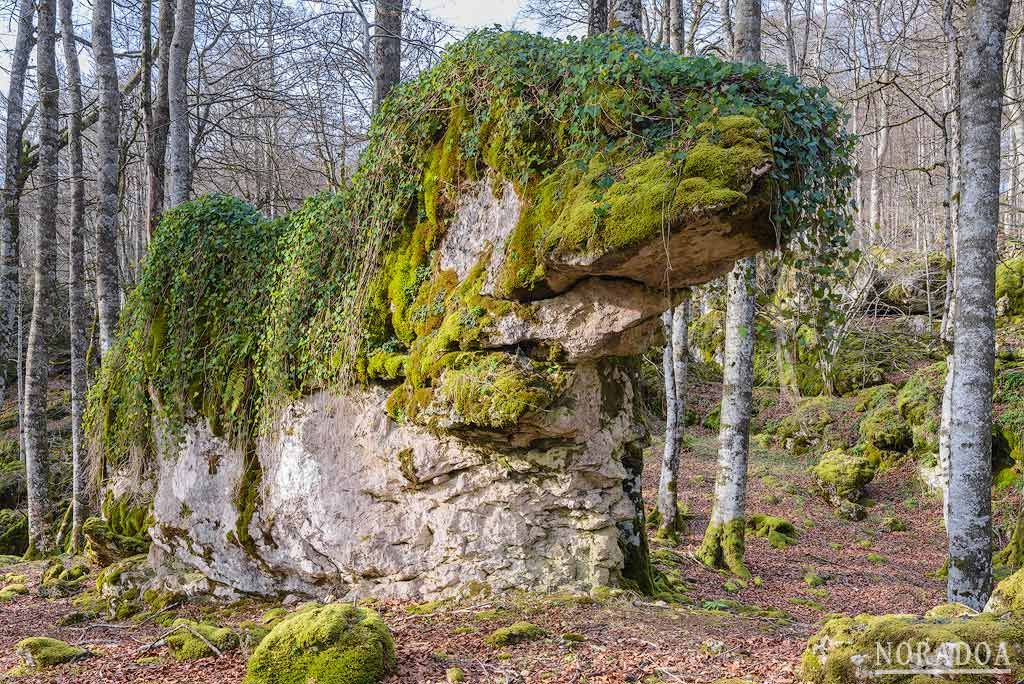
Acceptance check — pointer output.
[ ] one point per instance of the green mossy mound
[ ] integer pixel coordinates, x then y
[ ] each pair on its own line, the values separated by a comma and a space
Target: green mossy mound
332, 644
779, 532
64, 576
517, 633
885, 435
42, 652
840, 478
1010, 287
809, 426
193, 640
13, 533
349, 288
1008, 596
105, 546
845, 650
13, 590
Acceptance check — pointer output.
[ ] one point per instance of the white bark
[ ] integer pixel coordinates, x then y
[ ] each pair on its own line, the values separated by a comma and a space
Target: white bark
108, 289
597, 17
675, 368
881, 149
626, 15
76, 274
37, 456
970, 482
179, 152
676, 26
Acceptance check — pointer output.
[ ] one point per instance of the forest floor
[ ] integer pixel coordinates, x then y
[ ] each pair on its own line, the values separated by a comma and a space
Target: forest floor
629, 638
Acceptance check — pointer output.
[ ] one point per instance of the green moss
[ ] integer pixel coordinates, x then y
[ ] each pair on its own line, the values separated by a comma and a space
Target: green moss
42, 652
424, 608
779, 532
827, 659
723, 547
12, 591
1008, 595
1010, 286
844, 474
885, 434
185, 645
335, 644
13, 532
105, 546
454, 675
517, 633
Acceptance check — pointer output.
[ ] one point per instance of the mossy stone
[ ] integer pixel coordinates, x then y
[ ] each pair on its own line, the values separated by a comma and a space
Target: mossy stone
517, 633
331, 644
42, 652
185, 645
13, 532
779, 532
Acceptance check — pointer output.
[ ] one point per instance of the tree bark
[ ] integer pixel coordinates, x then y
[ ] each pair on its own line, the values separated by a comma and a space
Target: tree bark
725, 15
676, 26
676, 357
970, 499
626, 15
108, 289
37, 457
597, 17
76, 274
179, 150
387, 52
881, 148
10, 258
156, 138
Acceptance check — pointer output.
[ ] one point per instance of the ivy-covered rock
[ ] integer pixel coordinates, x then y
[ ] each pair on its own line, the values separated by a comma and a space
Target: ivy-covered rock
457, 313
13, 532
840, 478
331, 644
43, 652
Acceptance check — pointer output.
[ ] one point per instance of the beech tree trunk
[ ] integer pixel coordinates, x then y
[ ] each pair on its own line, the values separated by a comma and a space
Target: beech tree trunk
725, 16
881, 148
676, 358
724, 541
156, 134
626, 15
37, 456
76, 273
970, 484
9, 224
177, 96
108, 289
387, 49
676, 26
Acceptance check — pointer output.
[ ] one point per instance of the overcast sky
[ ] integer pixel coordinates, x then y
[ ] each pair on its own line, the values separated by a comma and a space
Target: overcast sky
477, 13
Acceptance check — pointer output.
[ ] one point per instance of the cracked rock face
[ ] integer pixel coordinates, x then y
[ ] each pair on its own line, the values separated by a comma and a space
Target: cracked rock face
344, 498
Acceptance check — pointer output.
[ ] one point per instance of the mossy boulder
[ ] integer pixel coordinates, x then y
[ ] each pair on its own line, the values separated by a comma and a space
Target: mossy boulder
43, 652
515, 634
13, 590
1008, 596
1010, 287
194, 640
809, 426
13, 532
840, 478
106, 546
64, 576
779, 532
885, 435
848, 649
12, 476
332, 644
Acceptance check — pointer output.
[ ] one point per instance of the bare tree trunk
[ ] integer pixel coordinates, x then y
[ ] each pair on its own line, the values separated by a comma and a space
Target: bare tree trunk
881, 148
180, 162
10, 258
970, 499
597, 18
725, 15
108, 289
626, 15
676, 26
387, 53
724, 540
675, 367
156, 140
76, 274
37, 455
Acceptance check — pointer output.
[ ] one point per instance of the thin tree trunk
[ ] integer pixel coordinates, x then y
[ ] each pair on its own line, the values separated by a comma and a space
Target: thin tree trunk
675, 366
881, 148
597, 18
676, 26
970, 499
177, 95
108, 289
37, 456
76, 274
725, 14
626, 15
9, 251
157, 142
387, 53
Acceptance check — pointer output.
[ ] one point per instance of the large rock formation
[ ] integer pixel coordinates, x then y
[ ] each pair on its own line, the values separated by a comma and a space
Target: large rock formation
421, 386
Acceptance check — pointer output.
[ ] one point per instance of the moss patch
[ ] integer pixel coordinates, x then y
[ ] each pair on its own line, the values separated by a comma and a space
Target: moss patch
517, 633
779, 532
184, 644
723, 547
42, 652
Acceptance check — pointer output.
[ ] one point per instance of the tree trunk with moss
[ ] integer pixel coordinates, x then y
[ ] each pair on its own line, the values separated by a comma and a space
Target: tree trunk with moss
37, 454
675, 368
723, 544
970, 482
76, 273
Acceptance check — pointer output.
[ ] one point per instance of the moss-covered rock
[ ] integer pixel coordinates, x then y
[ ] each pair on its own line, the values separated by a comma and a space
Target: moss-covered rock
517, 633
1008, 596
809, 426
1010, 287
885, 435
106, 546
332, 644
11, 591
64, 576
194, 640
779, 532
13, 532
840, 478
42, 652
848, 649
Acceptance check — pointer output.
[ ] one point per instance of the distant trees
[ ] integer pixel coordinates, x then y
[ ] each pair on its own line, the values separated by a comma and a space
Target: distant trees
969, 521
